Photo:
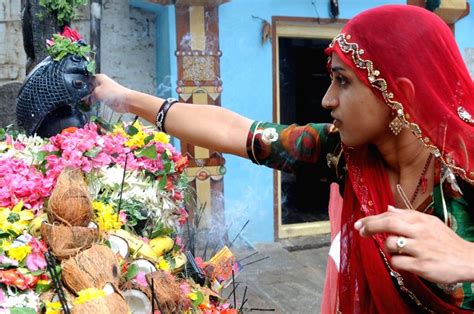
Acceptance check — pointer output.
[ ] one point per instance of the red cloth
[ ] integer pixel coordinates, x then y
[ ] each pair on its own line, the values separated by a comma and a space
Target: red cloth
382, 45
329, 300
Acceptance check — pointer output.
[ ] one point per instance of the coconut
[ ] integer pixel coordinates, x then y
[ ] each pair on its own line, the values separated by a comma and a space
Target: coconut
167, 291
70, 201
137, 301
119, 245
110, 304
67, 241
144, 266
92, 268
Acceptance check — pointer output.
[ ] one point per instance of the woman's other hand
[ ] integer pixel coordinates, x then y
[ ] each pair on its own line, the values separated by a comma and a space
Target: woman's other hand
422, 244
107, 91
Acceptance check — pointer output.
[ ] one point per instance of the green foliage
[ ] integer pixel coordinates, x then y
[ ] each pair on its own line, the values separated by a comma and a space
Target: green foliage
63, 46
62, 9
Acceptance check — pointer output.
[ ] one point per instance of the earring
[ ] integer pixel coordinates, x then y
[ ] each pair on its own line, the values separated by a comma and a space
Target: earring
396, 125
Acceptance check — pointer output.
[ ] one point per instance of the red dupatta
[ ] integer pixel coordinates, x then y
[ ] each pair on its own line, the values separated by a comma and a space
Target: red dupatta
382, 45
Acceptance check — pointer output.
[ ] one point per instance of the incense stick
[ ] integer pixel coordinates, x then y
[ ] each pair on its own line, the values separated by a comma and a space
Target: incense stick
235, 293
240, 260
253, 262
51, 265
245, 225
244, 300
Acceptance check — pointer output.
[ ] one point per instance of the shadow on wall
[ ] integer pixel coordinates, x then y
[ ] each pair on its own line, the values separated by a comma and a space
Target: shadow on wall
8, 93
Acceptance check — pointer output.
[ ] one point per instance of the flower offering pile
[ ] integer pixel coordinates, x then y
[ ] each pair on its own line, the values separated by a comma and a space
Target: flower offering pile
89, 221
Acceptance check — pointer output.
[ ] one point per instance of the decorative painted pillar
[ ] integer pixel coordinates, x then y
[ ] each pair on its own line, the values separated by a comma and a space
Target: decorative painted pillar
198, 54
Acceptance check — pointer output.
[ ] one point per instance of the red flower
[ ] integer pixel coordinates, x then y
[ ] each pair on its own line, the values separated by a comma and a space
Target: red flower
70, 129
181, 163
71, 34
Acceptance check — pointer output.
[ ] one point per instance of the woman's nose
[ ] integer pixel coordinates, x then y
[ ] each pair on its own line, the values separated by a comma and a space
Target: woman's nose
329, 101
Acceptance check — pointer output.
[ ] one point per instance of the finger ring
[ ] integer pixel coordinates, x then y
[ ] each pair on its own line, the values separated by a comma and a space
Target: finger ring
401, 243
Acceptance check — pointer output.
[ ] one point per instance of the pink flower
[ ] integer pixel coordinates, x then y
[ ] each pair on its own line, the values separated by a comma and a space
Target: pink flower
140, 279
35, 261
123, 217
183, 216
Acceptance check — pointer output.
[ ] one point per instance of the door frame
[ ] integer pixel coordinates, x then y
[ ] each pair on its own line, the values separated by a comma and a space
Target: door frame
295, 27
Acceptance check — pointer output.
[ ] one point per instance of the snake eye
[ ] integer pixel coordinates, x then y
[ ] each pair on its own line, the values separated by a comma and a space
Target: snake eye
78, 84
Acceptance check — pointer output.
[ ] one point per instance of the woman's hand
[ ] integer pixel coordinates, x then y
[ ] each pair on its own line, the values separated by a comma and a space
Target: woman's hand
432, 250
109, 92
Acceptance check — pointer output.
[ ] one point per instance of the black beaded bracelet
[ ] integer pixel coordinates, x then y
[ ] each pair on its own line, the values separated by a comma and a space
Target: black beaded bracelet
161, 115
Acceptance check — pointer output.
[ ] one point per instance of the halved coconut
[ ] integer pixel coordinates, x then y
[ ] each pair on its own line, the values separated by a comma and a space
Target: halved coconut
67, 241
119, 245
144, 266
108, 288
92, 268
93, 225
137, 301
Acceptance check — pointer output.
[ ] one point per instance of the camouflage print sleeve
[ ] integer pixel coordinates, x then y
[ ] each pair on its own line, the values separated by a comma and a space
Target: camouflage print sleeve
288, 148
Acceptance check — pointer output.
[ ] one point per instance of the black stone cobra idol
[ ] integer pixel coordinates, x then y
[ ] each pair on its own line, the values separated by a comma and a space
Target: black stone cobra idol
49, 99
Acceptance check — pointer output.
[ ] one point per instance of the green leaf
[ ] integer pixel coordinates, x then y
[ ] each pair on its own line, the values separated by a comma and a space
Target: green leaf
165, 157
93, 152
199, 299
168, 166
91, 67
42, 288
41, 156
162, 182
131, 130
148, 139
148, 152
132, 272
22, 310
37, 273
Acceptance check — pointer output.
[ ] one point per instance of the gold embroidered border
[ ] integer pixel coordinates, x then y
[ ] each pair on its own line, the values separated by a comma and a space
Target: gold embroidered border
380, 84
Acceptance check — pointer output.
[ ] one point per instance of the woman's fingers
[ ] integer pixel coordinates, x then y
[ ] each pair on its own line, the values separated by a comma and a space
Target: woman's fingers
401, 245
388, 222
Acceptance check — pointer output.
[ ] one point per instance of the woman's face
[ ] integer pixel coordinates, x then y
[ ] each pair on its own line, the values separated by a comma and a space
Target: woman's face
360, 116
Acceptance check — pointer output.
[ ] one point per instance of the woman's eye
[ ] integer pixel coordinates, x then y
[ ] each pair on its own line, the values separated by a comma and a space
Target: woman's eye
341, 80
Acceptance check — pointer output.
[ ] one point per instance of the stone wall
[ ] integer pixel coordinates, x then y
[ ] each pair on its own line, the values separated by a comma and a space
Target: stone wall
12, 55
127, 43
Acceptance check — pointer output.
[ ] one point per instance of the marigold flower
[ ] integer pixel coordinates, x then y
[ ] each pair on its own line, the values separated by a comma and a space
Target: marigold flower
89, 294
19, 253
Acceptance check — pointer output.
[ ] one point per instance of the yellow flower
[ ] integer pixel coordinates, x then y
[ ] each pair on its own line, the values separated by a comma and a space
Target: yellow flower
137, 140
163, 264
118, 130
16, 219
5, 245
192, 296
105, 216
89, 294
19, 253
43, 282
53, 307
161, 137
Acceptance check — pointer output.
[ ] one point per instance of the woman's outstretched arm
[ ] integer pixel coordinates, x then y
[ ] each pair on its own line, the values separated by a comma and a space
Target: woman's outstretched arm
207, 126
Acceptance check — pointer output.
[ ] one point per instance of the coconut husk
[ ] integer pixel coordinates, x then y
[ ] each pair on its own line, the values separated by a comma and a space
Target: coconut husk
67, 241
167, 290
133, 284
70, 202
113, 304
92, 268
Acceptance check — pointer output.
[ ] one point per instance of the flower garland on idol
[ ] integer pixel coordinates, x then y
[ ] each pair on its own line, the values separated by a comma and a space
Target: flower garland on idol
89, 220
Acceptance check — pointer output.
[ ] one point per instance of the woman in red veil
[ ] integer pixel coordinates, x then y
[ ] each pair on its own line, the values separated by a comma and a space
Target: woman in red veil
400, 146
